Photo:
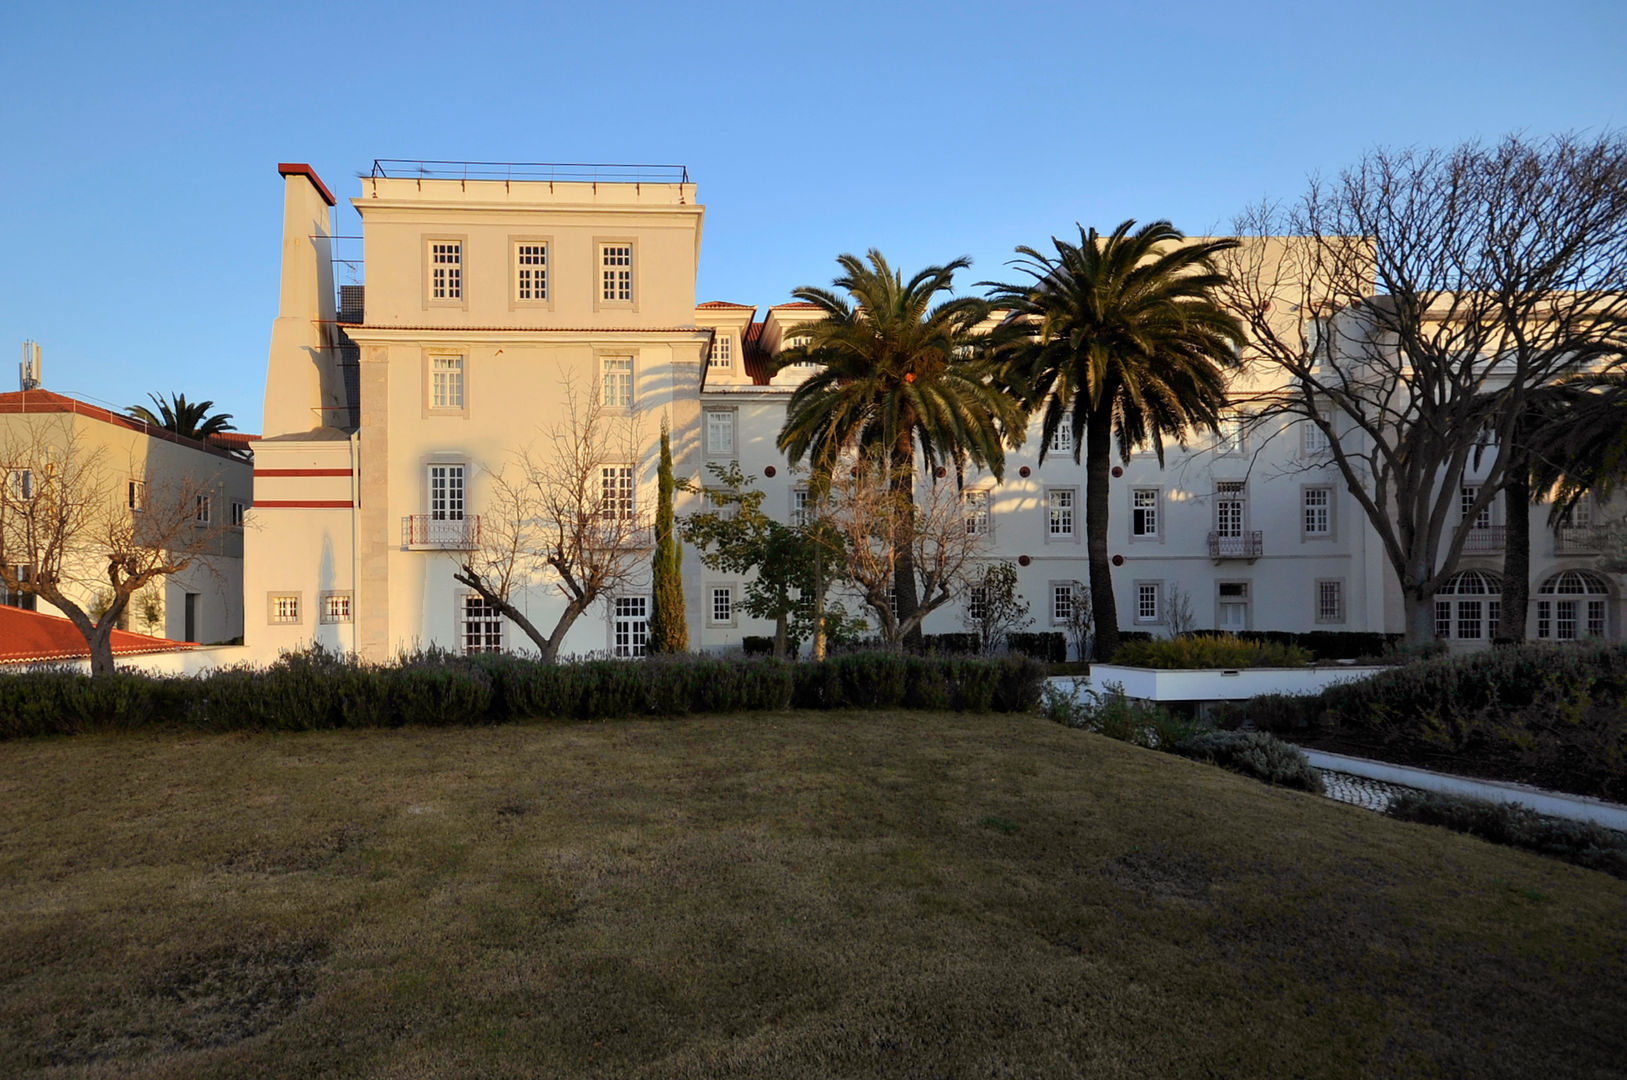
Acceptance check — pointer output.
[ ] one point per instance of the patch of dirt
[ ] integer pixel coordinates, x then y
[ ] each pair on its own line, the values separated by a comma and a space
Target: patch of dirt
1163, 875
210, 999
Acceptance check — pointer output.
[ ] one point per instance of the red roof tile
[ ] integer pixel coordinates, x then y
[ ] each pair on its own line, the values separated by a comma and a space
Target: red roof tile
723, 304
29, 637
793, 304
754, 357
46, 401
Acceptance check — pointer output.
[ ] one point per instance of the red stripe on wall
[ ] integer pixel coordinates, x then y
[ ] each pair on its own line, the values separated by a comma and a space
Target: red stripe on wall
304, 504
301, 472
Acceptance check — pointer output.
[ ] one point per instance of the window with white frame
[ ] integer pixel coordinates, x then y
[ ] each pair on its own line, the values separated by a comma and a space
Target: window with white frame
720, 432
203, 509
1230, 437
721, 610
799, 506
446, 270
1229, 509
1467, 605
480, 625
1578, 515
1467, 494
1330, 601
616, 377
616, 273
336, 607
20, 597
1315, 439
1317, 507
446, 383
722, 354
1144, 513
1059, 507
282, 608
630, 632
22, 484
977, 512
446, 492
1062, 438
136, 495
530, 270
1149, 601
801, 342
616, 492
1062, 600
240, 509
1572, 604
977, 603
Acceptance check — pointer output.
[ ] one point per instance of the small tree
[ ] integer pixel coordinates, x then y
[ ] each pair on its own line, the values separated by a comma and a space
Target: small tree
1178, 611
69, 537
995, 609
669, 624
1081, 621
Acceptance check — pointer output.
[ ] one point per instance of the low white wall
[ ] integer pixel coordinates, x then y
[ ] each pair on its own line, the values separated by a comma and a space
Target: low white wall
1222, 684
180, 662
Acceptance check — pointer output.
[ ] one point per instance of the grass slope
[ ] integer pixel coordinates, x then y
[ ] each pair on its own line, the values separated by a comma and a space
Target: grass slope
770, 895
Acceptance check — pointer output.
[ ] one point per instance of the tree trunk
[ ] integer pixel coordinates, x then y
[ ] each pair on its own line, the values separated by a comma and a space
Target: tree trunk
1510, 628
902, 484
779, 636
1098, 458
101, 648
1420, 614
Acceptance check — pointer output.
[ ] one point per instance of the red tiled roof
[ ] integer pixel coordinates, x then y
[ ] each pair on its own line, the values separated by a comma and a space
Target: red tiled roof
237, 440
46, 401
29, 637
754, 357
793, 304
723, 304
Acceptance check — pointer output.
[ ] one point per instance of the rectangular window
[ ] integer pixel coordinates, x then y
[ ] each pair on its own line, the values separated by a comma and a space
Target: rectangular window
20, 598
1466, 497
799, 506
1545, 618
722, 355
631, 632
977, 512
1595, 618
977, 603
1229, 509
283, 608
617, 379
1229, 437
616, 492
1062, 438
530, 271
616, 273
1565, 620
446, 492
1469, 620
1062, 600
22, 483
445, 270
136, 496
446, 383
720, 432
1149, 601
1330, 601
1144, 513
1318, 506
1316, 440
1443, 618
239, 510
1059, 513
722, 613
336, 607
203, 509
482, 625
1494, 611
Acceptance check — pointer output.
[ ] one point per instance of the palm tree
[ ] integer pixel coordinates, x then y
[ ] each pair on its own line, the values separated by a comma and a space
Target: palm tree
1123, 331
190, 419
898, 376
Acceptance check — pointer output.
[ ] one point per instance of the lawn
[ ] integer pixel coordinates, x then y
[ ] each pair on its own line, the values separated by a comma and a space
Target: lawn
884, 894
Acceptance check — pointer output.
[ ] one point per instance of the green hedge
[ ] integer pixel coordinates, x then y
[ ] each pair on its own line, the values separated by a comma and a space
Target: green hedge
1254, 753
1050, 647
1209, 651
320, 690
1578, 842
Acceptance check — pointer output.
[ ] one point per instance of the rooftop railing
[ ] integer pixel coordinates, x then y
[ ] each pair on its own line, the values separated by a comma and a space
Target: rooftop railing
560, 172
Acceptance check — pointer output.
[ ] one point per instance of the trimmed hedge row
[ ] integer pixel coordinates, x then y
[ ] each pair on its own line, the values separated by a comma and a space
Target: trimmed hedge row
1209, 651
1049, 647
320, 690
1514, 825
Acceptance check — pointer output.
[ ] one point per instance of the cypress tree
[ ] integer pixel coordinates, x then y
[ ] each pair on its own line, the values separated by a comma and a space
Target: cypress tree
669, 625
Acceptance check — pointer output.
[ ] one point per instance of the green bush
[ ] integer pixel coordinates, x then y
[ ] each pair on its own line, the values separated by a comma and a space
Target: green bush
1518, 826
1209, 651
1050, 647
1253, 753
1270, 712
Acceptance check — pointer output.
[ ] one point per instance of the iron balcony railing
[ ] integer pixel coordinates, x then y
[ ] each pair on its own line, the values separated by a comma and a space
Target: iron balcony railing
429, 533
1580, 539
1245, 545
551, 171
1483, 539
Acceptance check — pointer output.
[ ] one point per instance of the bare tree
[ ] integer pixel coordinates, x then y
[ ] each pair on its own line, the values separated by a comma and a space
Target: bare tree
1178, 611
995, 609
864, 515
564, 513
1081, 621
1408, 308
69, 536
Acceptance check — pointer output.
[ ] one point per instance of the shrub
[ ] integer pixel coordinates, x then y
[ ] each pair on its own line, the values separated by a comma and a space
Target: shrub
1209, 651
756, 645
950, 644
1253, 753
1019, 679
1116, 716
1578, 842
1270, 712
1050, 647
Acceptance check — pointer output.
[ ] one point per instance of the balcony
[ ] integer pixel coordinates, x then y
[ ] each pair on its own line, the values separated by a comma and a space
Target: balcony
420, 532
1483, 539
1580, 539
1244, 545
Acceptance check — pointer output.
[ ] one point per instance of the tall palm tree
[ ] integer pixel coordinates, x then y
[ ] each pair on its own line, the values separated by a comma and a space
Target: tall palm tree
1124, 331
191, 419
898, 376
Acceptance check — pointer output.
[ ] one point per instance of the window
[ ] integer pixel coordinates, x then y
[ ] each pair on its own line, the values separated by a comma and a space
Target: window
21, 598
1062, 438
722, 355
1229, 437
1572, 604
799, 506
977, 603
1231, 606
1469, 620
446, 383
1144, 513
482, 625
721, 612
202, 509
136, 495
1149, 601
446, 492
283, 608
530, 271
1579, 515
1467, 605
1062, 601
336, 607
22, 483
616, 492
1229, 509
1318, 511
239, 510
446, 270
617, 379
1443, 618
616, 273
976, 504
1315, 439
1466, 497
1330, 601
631, 630
720, 432
1059, 513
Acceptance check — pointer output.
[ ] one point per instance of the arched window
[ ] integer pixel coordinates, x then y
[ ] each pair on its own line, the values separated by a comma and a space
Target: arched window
1467, 606
1573, 604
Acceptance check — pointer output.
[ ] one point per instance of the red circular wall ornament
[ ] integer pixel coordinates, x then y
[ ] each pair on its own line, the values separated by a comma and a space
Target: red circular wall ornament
1023, 560
942, 472
1024, 471
768, 471
1118, 470
1118, 560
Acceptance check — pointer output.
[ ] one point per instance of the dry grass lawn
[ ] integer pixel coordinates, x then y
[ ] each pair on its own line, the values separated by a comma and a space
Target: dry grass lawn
763, 896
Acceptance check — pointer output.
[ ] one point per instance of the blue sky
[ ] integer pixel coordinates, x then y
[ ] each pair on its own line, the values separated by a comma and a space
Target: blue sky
138, 143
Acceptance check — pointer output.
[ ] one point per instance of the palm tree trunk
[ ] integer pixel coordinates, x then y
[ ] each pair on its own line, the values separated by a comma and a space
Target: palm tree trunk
1510, 628
901, 483
1098, 456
